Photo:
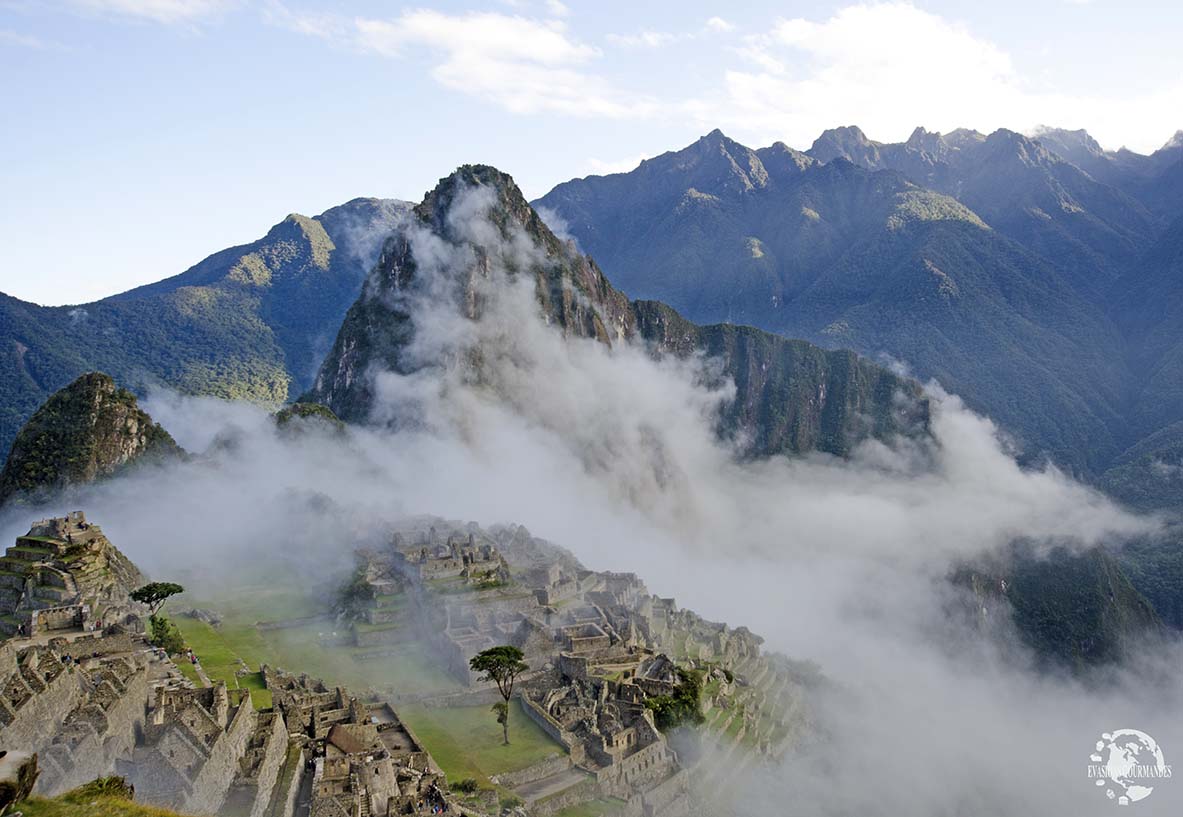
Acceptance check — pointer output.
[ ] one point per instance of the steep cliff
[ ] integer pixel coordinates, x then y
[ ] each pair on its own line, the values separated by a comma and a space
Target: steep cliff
790, 396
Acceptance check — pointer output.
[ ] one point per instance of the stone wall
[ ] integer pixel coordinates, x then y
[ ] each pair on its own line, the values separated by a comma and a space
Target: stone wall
213, 781
100, 732
33, 707
251, 792
551, 766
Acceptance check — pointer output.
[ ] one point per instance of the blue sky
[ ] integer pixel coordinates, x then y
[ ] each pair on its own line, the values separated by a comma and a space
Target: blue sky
141, 135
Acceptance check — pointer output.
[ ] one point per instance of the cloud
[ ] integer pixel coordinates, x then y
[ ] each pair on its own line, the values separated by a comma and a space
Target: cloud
160, 11
524, 65
16, 38
645, 39
602, 167
892, 66
719, 24
612, 453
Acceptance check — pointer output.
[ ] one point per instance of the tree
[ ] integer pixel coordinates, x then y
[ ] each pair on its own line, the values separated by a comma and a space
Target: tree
502, 665
155, 594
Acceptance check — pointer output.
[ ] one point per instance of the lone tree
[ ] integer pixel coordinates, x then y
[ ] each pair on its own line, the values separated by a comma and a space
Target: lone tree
501, 665
156, 594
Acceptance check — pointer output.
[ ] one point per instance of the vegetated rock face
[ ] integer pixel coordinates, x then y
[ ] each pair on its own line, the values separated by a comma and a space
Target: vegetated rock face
249, 322
88, 430
986, 262
1073, 609
303, 416
791, 396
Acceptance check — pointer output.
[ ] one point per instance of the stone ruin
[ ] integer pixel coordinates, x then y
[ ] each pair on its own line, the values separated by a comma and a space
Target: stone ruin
65, 575
364, 760
598, 644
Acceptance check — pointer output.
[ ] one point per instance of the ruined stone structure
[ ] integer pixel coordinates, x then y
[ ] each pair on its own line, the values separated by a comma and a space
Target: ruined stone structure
598, 643
365, 760
65, 575
80, 716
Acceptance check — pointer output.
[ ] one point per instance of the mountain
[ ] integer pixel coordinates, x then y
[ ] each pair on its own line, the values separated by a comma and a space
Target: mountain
817, 247
252, 321
1022, 189
1155, 180
1074, 609
791, 396
88, 430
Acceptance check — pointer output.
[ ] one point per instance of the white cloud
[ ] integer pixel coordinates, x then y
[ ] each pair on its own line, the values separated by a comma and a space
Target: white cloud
15, 38
892, 66
159, 11
557, 8
522, 64
719, 24
601, 167
644, 39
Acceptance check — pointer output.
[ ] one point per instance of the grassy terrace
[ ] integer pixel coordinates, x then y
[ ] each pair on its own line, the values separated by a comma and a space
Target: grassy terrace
594, 808
466, 741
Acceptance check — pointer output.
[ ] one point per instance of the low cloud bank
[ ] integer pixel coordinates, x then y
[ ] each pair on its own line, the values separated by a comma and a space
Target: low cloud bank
612, 454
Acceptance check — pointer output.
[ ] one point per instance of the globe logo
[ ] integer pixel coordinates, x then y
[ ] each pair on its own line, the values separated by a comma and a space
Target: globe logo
1127, 764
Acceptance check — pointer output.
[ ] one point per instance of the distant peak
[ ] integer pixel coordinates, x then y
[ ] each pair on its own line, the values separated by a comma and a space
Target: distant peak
1174, 142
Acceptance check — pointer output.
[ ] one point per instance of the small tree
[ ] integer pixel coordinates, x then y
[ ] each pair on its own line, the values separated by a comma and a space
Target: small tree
156, 594
502, 665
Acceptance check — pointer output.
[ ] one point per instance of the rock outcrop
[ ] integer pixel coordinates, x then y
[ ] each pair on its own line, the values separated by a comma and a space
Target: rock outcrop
88, 430
791, 396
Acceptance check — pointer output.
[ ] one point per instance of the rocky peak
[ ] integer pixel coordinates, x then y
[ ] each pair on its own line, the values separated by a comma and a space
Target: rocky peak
1174, 143
848, 143
926, 141
88, 430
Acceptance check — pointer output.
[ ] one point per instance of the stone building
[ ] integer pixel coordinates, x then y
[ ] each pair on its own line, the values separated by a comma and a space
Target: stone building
193, 743
65, 575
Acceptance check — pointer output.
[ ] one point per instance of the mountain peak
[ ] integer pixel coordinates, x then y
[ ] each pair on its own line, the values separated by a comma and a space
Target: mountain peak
848, 142
1174, 142
87, 430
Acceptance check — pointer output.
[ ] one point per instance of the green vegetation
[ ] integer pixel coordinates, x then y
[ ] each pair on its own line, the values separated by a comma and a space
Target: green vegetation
246, 323
684, 706
501, 665
155, 594
593, 808
105, 797
164, 634
87, 430
466, 743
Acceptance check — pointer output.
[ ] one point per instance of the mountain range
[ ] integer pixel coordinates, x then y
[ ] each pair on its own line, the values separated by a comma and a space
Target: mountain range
1033, 276
250, 322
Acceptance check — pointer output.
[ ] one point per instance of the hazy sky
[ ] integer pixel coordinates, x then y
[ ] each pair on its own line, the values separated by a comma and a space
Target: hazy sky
141, 135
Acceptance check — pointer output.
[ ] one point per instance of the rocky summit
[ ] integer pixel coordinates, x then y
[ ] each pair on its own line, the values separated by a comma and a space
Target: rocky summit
791, 396
88, 430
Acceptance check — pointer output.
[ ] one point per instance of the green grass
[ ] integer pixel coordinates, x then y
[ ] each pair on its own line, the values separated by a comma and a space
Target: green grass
90, 807
466, 741
593, 808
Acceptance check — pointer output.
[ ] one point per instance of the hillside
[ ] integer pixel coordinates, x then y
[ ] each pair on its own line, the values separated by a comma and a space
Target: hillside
850, 256
248, 322
790, 396
85, 431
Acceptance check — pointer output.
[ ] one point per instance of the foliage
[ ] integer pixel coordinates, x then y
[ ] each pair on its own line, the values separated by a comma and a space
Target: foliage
501, 665
164, 634
683, 706
246, 323
511, 801
155, 594
113, 786
87, 430
466, 786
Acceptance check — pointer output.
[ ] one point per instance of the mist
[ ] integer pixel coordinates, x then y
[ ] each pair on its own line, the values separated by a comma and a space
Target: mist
613, 455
